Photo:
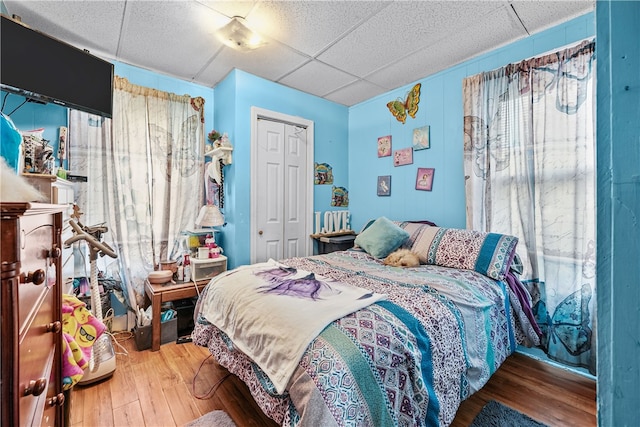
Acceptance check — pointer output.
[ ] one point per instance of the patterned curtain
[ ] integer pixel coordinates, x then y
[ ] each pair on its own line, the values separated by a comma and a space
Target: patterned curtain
145, 174
529, 160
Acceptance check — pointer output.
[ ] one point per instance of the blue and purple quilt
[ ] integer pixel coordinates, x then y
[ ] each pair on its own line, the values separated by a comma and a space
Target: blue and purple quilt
407, 360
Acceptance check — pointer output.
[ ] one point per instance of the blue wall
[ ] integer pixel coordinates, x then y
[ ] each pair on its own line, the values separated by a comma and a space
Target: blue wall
440, 108
618, 189
32, 116
234, 97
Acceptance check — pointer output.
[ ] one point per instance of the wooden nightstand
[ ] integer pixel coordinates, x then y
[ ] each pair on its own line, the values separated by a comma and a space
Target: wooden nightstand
328, 243
202, 272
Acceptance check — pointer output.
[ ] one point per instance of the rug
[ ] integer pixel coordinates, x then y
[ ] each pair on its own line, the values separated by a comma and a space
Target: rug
212, 419
495, 414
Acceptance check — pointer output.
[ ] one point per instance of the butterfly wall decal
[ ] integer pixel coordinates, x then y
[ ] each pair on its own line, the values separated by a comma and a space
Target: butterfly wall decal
400, 108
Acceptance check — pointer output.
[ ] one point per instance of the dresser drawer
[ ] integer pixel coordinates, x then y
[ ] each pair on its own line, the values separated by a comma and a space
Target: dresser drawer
36, 243
37, 349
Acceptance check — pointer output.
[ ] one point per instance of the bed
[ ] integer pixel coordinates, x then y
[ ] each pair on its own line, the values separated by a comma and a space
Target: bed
342, 339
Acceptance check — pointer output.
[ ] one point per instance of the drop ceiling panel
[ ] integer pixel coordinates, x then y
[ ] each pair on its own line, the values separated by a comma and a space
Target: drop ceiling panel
310, 27
355, 93
174, 37
453, 49
86, 25
400, 30
269, 62
538, 15
317, 78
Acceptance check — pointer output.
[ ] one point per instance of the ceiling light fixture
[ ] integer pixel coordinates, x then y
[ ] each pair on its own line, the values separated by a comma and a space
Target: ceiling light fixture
237, 35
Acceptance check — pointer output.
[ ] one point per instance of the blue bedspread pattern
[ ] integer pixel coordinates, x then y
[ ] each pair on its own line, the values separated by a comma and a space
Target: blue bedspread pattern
407, 361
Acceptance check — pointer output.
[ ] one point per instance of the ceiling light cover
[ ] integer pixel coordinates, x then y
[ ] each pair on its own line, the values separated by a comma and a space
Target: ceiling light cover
237, 35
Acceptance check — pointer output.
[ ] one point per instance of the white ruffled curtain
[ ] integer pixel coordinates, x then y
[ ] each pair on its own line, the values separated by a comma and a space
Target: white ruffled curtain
145, 174
529, 160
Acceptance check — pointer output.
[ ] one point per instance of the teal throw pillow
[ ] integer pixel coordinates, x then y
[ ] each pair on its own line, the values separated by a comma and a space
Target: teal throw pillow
381, 238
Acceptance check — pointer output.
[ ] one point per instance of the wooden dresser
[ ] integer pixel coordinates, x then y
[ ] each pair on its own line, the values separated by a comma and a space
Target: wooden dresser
30, 303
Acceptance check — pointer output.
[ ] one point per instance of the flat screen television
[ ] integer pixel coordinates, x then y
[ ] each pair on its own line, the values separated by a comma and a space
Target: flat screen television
44, 69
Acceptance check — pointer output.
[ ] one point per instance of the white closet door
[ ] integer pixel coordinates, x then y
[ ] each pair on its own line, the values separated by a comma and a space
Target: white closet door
281, 168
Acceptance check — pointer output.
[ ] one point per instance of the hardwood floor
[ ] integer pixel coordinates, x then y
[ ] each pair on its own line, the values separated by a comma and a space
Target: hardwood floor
178, 384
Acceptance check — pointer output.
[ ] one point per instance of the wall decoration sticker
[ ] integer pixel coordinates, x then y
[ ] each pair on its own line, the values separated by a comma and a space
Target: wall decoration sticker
339, 196
424, 179
323, 173
400, 108
384, 185
421, 138
384, 146
403, 156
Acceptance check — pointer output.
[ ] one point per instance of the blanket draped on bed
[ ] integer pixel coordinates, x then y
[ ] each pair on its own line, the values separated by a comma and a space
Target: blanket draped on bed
405, 361
288, 306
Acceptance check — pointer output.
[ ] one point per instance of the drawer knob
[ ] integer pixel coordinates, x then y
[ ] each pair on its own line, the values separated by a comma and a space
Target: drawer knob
36, 387
37, 277
55, 253
57, 400
54, 327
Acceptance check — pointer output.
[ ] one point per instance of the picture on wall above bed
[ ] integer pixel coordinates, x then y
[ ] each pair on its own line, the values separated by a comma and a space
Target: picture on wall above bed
384, 185
421, 138
404, 156
384, 146
424, 179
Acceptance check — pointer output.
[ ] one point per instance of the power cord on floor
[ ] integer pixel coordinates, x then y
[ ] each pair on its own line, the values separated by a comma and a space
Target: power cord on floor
214, 387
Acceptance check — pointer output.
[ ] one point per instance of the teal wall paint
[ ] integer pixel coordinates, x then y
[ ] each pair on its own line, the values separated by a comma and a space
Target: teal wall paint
440, 108
234, 98
618, 187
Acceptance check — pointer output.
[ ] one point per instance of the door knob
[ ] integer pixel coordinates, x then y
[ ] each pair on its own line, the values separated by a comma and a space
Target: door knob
260, 232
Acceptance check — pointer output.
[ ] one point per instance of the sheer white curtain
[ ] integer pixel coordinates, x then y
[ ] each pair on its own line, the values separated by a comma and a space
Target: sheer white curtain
145, 174
530, 171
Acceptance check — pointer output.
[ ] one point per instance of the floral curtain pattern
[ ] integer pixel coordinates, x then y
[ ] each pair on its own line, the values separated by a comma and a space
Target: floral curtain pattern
529, 161
146, 174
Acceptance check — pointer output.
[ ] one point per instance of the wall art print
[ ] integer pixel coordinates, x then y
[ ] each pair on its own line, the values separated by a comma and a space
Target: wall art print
421, 138
403, 156
400, 108
339, 196
384, 185
384, 146
323, 173
424, 179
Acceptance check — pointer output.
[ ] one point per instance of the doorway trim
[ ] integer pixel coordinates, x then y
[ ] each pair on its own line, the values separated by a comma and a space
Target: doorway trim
261, 113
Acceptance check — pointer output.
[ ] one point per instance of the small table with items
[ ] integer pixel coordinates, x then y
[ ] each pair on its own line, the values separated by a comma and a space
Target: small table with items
332, 242
164, 292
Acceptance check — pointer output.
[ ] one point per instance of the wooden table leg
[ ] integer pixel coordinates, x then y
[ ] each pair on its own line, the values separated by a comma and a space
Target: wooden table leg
155, 321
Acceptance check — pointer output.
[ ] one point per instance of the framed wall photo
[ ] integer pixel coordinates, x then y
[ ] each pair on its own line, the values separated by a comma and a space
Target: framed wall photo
384, 146
421, 138
404, 156
384, 185
424, 179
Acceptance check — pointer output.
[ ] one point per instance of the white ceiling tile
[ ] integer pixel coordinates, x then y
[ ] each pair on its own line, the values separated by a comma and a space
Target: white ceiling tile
94, 26
355, 93
451, 50
400, 30
176, 37
269, 62
230, 8
539, 15
297, 23
323, 78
